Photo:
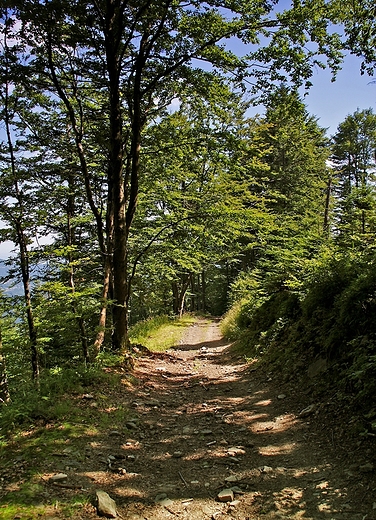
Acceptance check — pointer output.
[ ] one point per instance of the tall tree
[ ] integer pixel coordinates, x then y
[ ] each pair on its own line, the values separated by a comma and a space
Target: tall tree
354, 160
293, 183
16, 192
126, 61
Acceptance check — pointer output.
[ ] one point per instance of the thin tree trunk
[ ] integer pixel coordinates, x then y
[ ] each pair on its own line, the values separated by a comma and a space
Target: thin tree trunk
203, 291
99, 340
78, 128
71, 242
21, 239
4, 389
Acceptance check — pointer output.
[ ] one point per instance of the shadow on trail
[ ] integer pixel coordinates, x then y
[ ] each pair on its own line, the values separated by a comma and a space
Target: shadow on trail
199, 423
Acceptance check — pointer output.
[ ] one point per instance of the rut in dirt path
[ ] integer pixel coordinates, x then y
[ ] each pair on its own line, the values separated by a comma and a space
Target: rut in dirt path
208, 422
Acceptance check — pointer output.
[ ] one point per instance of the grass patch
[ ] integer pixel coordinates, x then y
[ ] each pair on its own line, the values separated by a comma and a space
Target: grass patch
160, 333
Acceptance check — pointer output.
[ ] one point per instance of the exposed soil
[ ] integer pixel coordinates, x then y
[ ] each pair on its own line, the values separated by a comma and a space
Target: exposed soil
205, 421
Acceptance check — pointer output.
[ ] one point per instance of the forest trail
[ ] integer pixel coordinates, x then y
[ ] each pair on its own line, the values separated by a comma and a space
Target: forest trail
205, 426
204, 423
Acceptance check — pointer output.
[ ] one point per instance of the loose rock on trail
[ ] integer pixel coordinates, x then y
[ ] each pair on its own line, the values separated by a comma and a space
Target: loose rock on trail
212, 437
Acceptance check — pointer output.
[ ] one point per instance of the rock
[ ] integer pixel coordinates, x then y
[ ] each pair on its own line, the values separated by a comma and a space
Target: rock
281, 396
226, 495
160, 496
106, 506
234, 451
88, 396
237, 490
166, 502
232, 478
266, 469
59, 477
177, 454
306, 412
131, 425
163, 500
206, 432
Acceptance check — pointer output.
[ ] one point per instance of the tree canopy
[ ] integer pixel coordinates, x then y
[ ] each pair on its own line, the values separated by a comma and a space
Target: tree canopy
127, 142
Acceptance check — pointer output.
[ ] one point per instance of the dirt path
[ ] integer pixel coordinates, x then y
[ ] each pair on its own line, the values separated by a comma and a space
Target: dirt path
203, 421
206, 423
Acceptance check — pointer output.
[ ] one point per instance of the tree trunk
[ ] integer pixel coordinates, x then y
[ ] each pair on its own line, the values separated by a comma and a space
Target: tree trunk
124, 185
4, 390
21, 239
203, 291
116, 183
24, 256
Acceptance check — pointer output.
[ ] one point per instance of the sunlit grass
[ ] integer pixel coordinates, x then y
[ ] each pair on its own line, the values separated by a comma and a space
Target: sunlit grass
160, 333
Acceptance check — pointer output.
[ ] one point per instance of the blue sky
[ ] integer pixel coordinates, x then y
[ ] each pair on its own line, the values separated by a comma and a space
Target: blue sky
332, 102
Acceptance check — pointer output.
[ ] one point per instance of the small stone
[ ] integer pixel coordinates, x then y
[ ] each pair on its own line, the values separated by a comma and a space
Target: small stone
237, 490
266, 469
282, 396
226, 495
166, 502
233, 452
59, 477
106, 506
160, 497
177, 454
114, 433
232, 478
131, 425
206, 432
235, 503
306, 412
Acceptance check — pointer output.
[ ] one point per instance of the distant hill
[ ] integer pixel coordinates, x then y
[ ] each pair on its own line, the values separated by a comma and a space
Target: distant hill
10, 288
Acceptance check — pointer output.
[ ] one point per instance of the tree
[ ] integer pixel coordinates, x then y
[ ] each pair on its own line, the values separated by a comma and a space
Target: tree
4, 390
16, 193
354, 147
126, 61
191, 210
358, 18
291, 180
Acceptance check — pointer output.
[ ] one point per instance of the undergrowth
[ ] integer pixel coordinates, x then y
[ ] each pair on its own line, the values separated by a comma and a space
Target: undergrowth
160, 333
334, 321
72, 407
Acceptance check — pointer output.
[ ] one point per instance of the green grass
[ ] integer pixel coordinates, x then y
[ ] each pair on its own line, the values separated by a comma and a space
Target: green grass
43, 430
160, 333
